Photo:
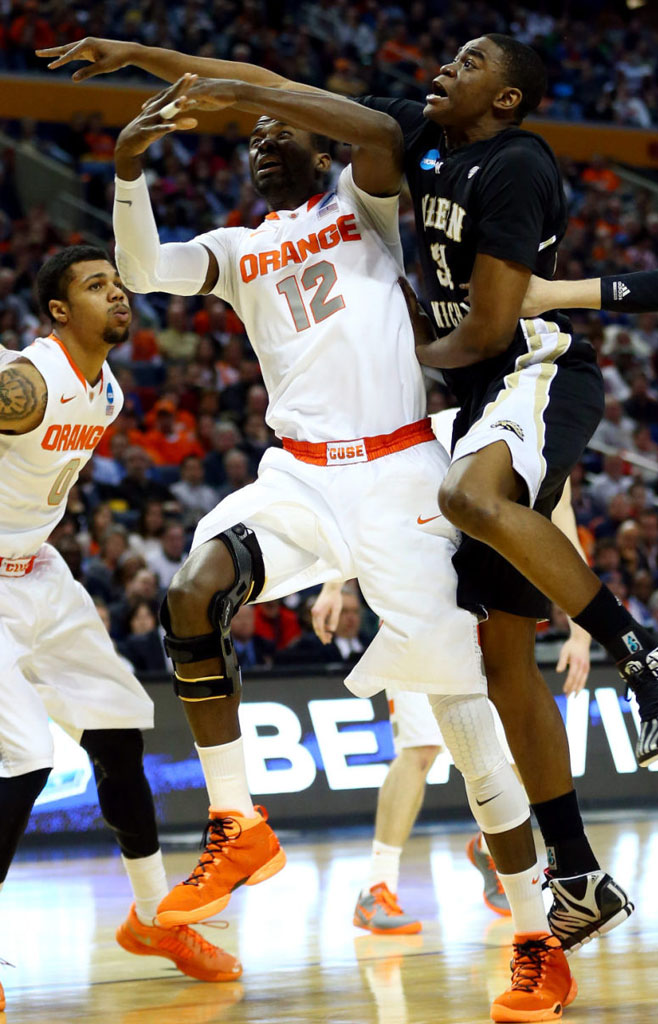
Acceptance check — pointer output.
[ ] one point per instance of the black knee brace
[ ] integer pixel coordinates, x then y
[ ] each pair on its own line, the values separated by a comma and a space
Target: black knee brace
249, 579
124, 794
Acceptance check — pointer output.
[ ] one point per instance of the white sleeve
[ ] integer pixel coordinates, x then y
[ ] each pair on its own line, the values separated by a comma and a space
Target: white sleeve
223, 244
145, 265
381, 211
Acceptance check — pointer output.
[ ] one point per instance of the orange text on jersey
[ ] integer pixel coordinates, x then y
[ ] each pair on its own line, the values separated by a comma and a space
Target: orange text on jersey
254, 264
66, 437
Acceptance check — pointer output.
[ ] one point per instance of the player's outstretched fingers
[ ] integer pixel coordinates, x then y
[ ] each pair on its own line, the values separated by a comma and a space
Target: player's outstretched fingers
104, 55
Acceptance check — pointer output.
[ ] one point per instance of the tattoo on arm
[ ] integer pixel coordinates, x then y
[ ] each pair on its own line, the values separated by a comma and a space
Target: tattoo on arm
19, 398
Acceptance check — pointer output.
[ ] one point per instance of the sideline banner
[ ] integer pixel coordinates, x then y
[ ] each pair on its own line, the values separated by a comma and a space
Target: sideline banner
316, 754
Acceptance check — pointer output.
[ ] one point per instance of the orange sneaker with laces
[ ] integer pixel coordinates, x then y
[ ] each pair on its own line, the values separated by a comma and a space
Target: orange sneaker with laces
542, 984
237, 851
378, 911
188, 950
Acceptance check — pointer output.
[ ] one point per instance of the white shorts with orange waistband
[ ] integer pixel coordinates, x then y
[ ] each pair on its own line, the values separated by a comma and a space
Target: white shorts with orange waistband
57, 660
375, 519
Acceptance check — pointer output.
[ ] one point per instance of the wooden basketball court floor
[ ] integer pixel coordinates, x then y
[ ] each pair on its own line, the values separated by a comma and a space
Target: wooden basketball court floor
303, 959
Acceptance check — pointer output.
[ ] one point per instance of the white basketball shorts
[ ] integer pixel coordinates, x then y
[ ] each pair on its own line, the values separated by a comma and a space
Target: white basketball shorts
57, 660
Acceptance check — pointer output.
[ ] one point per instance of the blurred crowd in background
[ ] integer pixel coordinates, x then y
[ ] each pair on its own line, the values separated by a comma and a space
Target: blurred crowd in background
193, 427
601, 65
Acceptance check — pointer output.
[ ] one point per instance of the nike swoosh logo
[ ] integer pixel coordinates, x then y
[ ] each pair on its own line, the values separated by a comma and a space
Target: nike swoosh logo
65, 400
481, 803
422, 521
128, 202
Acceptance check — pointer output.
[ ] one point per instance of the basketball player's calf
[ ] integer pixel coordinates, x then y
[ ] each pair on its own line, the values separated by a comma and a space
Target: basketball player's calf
480, 496
239, 847
586, 901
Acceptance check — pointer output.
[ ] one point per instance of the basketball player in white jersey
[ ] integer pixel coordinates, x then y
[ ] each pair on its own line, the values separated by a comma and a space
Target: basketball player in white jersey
56, 398
317, 286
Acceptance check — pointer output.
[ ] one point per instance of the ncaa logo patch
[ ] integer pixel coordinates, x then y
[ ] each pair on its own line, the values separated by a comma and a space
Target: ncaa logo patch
428, 162
109, 394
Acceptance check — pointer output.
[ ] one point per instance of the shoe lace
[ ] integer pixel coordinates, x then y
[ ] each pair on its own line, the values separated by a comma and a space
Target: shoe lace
386, 899
528, 964
193, 937
216, 837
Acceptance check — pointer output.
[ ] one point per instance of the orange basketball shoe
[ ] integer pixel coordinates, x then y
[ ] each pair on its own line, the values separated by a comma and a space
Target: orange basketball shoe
237, 851
189, 950
542, 983
2, 999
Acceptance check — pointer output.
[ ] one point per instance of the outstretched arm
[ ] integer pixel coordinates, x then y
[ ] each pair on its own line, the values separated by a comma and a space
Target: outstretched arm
617, 293
375, 137
106, 55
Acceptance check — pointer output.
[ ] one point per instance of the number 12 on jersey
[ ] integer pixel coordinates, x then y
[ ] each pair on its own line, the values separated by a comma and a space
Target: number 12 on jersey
322, 274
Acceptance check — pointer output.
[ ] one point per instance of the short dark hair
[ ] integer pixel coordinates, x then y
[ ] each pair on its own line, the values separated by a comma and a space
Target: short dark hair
55, 275
321, 143
524, 69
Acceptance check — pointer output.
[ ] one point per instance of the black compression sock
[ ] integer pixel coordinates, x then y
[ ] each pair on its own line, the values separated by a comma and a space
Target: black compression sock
567, 846
615, 628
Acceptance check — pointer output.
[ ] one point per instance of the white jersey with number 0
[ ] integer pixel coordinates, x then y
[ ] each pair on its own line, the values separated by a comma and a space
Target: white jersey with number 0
38, 469
317, 291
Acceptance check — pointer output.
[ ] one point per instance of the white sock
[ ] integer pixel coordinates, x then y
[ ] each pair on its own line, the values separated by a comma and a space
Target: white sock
523, 890
384, 866
482, 842
148, 882
226, 777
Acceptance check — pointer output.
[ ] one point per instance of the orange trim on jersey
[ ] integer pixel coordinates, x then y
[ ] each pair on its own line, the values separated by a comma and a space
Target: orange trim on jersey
314, 200
77, 371
363, 449
272, 216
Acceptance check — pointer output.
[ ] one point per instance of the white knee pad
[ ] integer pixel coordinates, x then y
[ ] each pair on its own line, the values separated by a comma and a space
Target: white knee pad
495, 795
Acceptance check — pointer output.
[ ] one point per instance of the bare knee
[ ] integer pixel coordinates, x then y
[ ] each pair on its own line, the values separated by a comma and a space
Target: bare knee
207, 570
420, 759
469, 508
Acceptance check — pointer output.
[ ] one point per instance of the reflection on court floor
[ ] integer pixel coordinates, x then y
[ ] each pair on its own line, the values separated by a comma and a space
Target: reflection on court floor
303, 959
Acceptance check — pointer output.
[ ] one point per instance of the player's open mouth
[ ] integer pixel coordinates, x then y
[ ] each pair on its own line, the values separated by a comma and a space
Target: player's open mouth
439, 92
269, 164
121, 314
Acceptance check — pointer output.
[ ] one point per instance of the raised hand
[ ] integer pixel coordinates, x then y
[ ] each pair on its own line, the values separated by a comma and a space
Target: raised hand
104, 55
152, 124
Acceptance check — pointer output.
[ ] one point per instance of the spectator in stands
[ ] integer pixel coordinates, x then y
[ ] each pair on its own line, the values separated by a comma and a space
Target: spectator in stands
71, 551
237, 472
171, 556
143, 647
276, 624
101, 574
146, 538
225, 438
611, 481
195, 497
138, 487
642, 405
628, 538
615, 429
170, 440
347, 645
641, 589
253, 651
176, 342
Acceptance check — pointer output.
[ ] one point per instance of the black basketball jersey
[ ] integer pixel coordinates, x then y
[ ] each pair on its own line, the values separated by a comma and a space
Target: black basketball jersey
502, 196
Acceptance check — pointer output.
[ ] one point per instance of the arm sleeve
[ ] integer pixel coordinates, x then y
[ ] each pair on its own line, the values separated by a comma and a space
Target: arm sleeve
407, 113
514, 193
380, 211
630, 293
179, 268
